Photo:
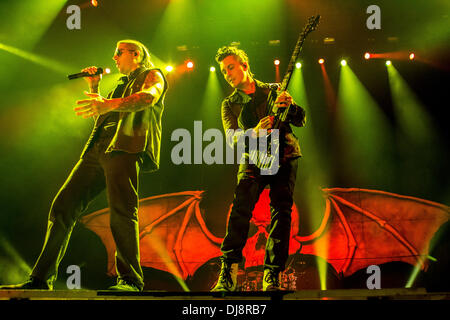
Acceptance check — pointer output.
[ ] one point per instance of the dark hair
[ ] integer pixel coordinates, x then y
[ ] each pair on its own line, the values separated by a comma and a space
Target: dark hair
240, 54
145, 61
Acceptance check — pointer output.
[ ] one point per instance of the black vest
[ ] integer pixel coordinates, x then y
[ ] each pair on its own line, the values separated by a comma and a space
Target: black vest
135, 132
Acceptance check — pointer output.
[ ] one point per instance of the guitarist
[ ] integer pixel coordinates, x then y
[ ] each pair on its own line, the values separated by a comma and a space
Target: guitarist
245, 109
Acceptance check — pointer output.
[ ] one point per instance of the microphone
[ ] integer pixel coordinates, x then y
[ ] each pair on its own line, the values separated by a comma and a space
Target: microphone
84, 74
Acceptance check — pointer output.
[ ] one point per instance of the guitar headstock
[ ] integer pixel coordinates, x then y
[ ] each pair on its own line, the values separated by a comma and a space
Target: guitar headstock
313, 22
310, 27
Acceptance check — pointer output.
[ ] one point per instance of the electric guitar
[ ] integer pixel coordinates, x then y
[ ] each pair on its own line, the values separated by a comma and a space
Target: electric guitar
266, 159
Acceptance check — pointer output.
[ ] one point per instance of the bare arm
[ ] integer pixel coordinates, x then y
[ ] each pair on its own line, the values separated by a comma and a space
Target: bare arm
151, 91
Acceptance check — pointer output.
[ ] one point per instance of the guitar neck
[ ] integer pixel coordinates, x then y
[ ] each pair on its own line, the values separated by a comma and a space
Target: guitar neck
290, 68
312, 24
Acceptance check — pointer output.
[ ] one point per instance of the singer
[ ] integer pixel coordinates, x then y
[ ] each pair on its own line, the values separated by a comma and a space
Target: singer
125, 139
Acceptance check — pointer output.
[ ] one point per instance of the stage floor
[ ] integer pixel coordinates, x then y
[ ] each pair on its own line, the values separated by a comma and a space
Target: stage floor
342, 294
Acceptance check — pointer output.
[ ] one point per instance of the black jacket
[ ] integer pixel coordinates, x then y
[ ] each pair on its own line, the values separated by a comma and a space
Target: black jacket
233, 118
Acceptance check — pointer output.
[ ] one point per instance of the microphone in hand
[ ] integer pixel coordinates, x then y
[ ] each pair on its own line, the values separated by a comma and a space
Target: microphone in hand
86, 74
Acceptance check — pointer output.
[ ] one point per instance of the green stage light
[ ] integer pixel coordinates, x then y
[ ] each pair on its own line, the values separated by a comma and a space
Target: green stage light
43, 61
13, 267
212, 99
418, 141
388, 63
365, 131
316, 167
159, 246
25, 22
298, 65
343, 63
414, 121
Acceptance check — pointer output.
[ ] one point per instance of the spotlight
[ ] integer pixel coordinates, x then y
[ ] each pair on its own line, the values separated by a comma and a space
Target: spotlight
388, 62
212, 69
298, 65
107, 70
189, 64
94, 3
277, 62
343, 62
321, 61
367, 56
412, 56
169, 68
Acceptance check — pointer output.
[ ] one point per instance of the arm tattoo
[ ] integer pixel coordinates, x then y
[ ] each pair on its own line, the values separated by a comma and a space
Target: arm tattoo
151, 91
135, 102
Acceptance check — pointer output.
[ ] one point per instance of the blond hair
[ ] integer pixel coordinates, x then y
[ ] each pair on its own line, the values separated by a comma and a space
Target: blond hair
143, 52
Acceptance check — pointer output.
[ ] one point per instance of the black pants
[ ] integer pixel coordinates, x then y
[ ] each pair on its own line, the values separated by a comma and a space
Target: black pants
118, 172
250, 185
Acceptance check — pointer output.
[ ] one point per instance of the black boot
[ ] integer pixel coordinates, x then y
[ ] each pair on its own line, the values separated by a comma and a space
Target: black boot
271, 280
125, 285
227, 281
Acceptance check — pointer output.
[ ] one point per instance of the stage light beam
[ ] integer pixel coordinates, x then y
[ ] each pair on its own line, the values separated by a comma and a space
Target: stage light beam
212, 98
365, 132
25, 22
316, 171
414, 121
39, 60
13, 268
159, 246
